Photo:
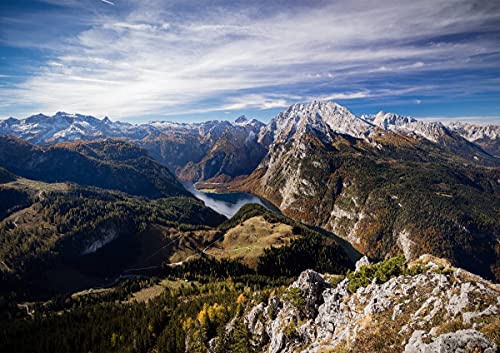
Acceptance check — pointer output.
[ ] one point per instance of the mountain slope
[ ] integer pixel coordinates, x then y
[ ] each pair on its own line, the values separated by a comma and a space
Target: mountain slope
235, 153
193, 151
57, 237
386, 192
425, 306
107, 164
486, 136
190, 150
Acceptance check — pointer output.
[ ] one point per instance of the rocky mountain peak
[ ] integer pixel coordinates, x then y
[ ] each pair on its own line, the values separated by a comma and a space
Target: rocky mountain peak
36, 118
320, 116
406, 125
413, 310
384, 120
485, 135
474, 132
241, 119
9, 121
63, 114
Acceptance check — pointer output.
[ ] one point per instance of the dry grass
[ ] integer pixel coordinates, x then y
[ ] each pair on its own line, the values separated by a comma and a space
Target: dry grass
22, 183
492, 330
176, 284
92, 291
145, 294
186, 245
248, 240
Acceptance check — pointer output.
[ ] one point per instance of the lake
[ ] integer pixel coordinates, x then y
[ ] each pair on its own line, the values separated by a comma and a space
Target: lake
228, 203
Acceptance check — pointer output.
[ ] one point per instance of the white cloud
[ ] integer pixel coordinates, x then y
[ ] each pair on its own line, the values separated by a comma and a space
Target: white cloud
153, 61
256, 101
132, 26
353, 95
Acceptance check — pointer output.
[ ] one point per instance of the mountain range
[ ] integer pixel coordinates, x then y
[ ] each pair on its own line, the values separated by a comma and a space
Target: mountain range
177, 144
385, 183
93, 212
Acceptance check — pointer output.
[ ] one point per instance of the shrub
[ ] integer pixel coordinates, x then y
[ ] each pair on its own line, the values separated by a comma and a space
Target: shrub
382, 271
293, 296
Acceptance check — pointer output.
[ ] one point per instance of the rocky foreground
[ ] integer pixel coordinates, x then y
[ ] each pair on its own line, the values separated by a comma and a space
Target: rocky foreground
433, 307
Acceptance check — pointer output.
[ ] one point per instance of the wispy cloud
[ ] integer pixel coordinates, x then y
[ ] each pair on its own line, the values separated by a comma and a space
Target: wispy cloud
155, 58
256, 101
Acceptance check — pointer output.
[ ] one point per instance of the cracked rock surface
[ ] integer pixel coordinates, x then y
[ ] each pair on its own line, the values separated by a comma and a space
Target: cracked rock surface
442, 309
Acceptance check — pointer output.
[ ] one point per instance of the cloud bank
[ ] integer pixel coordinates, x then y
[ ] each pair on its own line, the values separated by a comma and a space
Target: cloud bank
153, 59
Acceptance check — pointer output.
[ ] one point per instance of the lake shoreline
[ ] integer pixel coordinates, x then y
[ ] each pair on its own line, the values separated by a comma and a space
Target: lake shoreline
227, 203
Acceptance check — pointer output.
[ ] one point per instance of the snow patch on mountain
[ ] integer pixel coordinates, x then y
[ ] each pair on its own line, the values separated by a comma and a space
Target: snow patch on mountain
474, 132
409, 126
321, 117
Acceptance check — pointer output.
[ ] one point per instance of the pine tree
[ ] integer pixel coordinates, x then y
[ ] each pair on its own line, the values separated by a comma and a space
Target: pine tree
242, 339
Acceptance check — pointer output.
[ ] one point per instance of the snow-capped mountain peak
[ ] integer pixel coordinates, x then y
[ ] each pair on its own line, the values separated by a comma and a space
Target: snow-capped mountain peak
407, 125
384, 120
241, 119
64, 114
320, 116
474, 132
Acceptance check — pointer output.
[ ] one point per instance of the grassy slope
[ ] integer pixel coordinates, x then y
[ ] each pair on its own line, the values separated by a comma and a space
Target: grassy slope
246, 241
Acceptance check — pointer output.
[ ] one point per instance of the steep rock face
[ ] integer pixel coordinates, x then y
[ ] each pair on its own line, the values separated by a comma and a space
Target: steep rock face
386, 191
201, 151
178, 145
441, 309
109, 232
235, 153
311, 286
320, 116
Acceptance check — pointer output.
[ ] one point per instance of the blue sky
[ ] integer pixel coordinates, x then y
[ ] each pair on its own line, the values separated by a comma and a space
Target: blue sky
195, 60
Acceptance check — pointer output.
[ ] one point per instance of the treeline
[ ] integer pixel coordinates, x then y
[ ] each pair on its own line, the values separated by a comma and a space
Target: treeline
196, 312
308, 252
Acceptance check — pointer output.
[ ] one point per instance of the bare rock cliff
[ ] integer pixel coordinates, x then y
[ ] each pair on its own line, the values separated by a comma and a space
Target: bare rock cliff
432, 308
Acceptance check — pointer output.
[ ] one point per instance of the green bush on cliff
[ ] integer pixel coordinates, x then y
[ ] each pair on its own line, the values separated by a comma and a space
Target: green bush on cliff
382, 271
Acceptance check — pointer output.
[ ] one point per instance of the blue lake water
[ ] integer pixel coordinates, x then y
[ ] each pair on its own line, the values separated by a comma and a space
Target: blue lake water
228, 203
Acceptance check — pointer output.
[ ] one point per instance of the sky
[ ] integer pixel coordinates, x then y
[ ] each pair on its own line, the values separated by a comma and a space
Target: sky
190, 60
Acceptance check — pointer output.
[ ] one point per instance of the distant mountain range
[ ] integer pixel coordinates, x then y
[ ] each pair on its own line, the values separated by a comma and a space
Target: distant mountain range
386, 183
201, 142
